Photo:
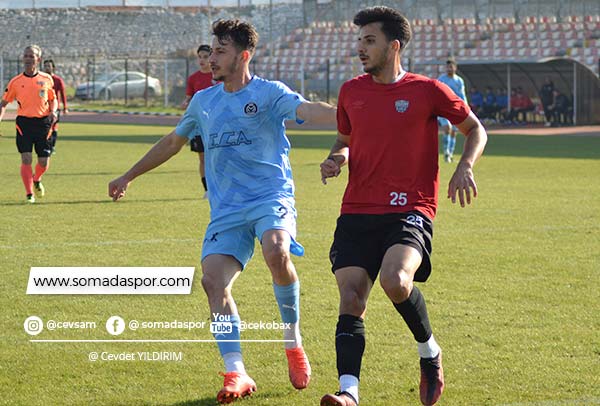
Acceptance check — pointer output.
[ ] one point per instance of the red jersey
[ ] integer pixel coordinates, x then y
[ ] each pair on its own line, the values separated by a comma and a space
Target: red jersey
198, 81
393, 160
59, 87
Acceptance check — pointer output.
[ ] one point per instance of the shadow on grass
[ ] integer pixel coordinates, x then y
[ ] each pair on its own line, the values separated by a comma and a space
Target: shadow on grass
534, 146
212, 401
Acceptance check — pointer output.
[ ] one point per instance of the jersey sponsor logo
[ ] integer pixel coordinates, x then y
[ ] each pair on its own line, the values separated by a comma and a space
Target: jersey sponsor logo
401, 105
228, 139
251, 109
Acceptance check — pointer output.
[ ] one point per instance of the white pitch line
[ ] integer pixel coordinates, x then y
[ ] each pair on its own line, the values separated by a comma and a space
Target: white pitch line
99, 243
161, 341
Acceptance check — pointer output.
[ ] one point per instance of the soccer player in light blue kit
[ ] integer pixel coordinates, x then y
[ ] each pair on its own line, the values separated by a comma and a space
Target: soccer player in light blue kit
248, 171
457, 84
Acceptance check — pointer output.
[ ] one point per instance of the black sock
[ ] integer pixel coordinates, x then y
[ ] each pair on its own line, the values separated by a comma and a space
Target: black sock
53, 138
349, 344
204, 183
414, 312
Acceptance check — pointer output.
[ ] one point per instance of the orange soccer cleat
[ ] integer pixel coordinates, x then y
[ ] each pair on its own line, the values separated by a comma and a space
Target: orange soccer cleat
235, 386
299, 368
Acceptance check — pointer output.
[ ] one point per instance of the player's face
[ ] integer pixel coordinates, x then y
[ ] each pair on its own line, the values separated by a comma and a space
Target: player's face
48, 68
450, 69
30, 59
374, 50
225, 59
203, 61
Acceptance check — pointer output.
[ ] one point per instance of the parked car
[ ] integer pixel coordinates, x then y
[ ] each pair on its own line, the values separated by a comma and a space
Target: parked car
113, 86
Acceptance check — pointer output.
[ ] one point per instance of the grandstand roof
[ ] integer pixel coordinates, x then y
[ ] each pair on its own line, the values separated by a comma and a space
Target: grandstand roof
569, 76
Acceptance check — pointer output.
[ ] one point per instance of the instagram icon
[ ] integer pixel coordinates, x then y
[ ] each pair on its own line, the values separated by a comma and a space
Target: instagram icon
33, 325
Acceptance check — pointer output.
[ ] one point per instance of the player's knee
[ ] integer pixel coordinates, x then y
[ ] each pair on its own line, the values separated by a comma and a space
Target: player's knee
396, 284
352, 302
26, 159
276, 255
214, 284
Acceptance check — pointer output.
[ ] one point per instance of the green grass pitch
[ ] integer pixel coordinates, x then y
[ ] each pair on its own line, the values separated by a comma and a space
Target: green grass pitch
513, 299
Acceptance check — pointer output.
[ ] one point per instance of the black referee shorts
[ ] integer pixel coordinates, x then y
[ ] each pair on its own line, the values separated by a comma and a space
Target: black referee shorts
362, 240
34, 132
196, 144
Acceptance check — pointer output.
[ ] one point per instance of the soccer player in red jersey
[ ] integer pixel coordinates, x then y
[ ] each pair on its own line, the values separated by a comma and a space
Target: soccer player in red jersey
33, 90
387, 134
61, 97
196, 82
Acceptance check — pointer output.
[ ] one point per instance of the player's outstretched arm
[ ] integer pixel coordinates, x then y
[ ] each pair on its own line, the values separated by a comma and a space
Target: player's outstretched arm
3, 104
317, 113
161, 152
338, 156
462, 182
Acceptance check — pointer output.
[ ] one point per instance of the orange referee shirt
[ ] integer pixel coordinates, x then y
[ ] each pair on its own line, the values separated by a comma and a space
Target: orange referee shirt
33, 94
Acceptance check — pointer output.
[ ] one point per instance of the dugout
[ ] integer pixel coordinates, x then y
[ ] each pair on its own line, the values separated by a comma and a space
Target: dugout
569, 76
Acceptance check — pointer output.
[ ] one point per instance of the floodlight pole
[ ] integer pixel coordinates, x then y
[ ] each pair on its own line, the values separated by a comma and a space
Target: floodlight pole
302, 77
166, 91
508, 86
574, 93
1, 71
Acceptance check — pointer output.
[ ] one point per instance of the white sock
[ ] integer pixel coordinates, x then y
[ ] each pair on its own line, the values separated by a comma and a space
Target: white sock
429, 349
234, 363
349, 383
293, 333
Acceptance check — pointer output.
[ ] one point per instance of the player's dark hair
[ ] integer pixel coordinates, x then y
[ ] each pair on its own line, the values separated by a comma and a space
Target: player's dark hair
204, 48
242, 34
393, 24
51, 62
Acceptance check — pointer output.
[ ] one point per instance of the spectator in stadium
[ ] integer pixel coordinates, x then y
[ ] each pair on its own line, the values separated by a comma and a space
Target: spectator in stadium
34, 92
61, 97
520, 105
547, 98
385, 226
502, 104
489, 105
196, 82
561, 109
457, 84
241, 121
475, 100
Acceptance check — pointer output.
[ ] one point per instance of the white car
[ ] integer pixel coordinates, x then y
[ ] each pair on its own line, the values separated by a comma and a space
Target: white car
112, 86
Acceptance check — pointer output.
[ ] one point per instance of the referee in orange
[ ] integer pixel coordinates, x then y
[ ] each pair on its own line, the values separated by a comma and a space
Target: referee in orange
33, 91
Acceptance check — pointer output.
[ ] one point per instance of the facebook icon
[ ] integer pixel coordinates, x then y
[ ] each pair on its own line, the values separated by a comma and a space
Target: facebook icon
115, 325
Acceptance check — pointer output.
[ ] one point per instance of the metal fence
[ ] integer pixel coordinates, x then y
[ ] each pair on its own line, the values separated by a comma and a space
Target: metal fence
156, 81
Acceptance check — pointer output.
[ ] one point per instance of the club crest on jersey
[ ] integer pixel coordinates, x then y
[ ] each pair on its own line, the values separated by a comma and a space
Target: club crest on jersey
401, 106
251, 109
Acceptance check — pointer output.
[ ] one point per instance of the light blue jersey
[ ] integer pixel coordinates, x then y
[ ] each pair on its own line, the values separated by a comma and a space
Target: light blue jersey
456, 83
246, 150
248, 172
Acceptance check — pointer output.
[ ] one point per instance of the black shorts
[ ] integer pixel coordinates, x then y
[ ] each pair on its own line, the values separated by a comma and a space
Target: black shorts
362, 240
34, 132
196, 144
